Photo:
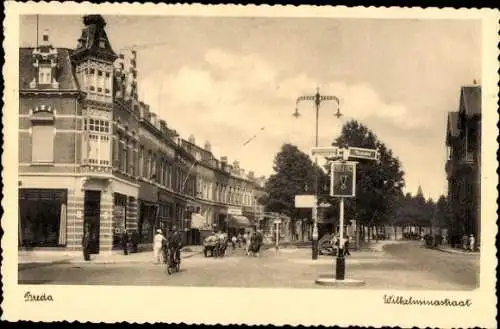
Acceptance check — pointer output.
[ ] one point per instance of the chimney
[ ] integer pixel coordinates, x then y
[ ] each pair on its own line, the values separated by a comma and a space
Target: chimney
153, 119
208, 146
236, 164
191, 139
223, 160
251, 174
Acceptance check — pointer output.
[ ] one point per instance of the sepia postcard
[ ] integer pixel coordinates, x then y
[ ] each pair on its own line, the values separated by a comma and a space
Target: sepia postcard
311, 165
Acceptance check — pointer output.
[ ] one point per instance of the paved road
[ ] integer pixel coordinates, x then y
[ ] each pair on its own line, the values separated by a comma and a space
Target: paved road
400, 266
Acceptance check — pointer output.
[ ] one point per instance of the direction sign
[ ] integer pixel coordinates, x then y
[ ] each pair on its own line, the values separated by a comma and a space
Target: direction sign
305, 201
343, 179
332, 151
362, 153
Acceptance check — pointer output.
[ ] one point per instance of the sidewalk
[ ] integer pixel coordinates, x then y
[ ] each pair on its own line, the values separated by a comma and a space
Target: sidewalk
457, 251
112, 257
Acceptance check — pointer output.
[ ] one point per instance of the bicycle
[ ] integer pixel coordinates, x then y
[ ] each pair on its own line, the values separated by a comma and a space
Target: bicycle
173, 262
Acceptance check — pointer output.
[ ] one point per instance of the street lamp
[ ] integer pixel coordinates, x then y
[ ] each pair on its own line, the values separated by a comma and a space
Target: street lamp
317, 99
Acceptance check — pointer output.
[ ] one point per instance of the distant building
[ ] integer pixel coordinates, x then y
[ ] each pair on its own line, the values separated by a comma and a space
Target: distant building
227, 196
463, 167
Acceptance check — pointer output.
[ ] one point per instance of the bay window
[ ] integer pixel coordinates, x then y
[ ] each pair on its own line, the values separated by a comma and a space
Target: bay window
98, 142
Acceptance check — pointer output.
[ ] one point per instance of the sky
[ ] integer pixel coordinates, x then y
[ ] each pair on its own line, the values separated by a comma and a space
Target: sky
226, 80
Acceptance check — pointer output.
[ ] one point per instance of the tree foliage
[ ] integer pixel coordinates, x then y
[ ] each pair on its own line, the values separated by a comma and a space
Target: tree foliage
378, 185
294, 173
417, 211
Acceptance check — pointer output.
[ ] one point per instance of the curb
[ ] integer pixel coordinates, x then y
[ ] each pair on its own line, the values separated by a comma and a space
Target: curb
458, 252
94, 261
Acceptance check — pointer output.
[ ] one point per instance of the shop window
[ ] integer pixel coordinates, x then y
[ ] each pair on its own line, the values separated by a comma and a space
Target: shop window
43, 218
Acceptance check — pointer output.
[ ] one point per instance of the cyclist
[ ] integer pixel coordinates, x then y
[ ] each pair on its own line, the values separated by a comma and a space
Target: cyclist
175, 244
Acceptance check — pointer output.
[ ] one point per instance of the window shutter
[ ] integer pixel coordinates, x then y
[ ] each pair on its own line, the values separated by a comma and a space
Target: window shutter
42, 143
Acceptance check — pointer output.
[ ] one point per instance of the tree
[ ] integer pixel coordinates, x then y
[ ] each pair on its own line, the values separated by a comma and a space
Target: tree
379, 185
294, 173
443, 217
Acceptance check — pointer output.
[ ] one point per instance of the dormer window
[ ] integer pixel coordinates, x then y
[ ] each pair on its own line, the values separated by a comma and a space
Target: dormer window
45, 75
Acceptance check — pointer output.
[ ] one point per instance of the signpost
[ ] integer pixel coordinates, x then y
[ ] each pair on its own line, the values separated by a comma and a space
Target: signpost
343, 179
327, 151
362, 153
343, 185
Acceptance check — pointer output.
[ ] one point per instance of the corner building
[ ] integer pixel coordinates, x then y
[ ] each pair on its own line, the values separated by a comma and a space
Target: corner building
91, 154
78, 140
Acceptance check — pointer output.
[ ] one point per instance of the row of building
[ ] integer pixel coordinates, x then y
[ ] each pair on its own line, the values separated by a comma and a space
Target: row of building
463, 166
91, 154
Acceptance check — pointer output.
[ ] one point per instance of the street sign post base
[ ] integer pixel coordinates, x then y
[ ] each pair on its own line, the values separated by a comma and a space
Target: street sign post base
340, 267
330, 280
315, 249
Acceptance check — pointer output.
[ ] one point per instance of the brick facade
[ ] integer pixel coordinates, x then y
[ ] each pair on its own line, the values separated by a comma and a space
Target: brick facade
106, 144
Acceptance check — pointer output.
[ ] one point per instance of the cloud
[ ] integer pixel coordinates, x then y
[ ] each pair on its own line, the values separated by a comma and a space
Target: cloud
229, 97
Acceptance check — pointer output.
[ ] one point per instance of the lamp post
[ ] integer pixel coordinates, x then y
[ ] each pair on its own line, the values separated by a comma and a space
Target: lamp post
317, 98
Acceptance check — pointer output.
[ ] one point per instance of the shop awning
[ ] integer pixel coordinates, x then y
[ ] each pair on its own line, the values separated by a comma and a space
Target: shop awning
198, 221
238, 221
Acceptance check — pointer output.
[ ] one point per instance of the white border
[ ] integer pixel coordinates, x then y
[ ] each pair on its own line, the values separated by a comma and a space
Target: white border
253, 306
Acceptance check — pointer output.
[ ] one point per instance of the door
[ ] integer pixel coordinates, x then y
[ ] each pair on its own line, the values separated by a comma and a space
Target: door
92, 210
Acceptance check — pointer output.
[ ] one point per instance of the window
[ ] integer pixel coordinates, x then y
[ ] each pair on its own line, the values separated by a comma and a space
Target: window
102, 44
98, 142
123, 149
100, 126
45, 75
141, 161
98, 149
42, 142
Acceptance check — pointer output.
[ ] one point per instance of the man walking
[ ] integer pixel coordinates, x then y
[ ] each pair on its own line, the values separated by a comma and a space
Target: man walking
86, 243
125, 242
346, 246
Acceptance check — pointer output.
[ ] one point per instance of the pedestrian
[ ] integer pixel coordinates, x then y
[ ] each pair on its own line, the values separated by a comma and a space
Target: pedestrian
158, 243
125, 242
346, 247
247, 243
233, 240
472, 242
465, 242
334, 244
135, 241
86, 243
239, 239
